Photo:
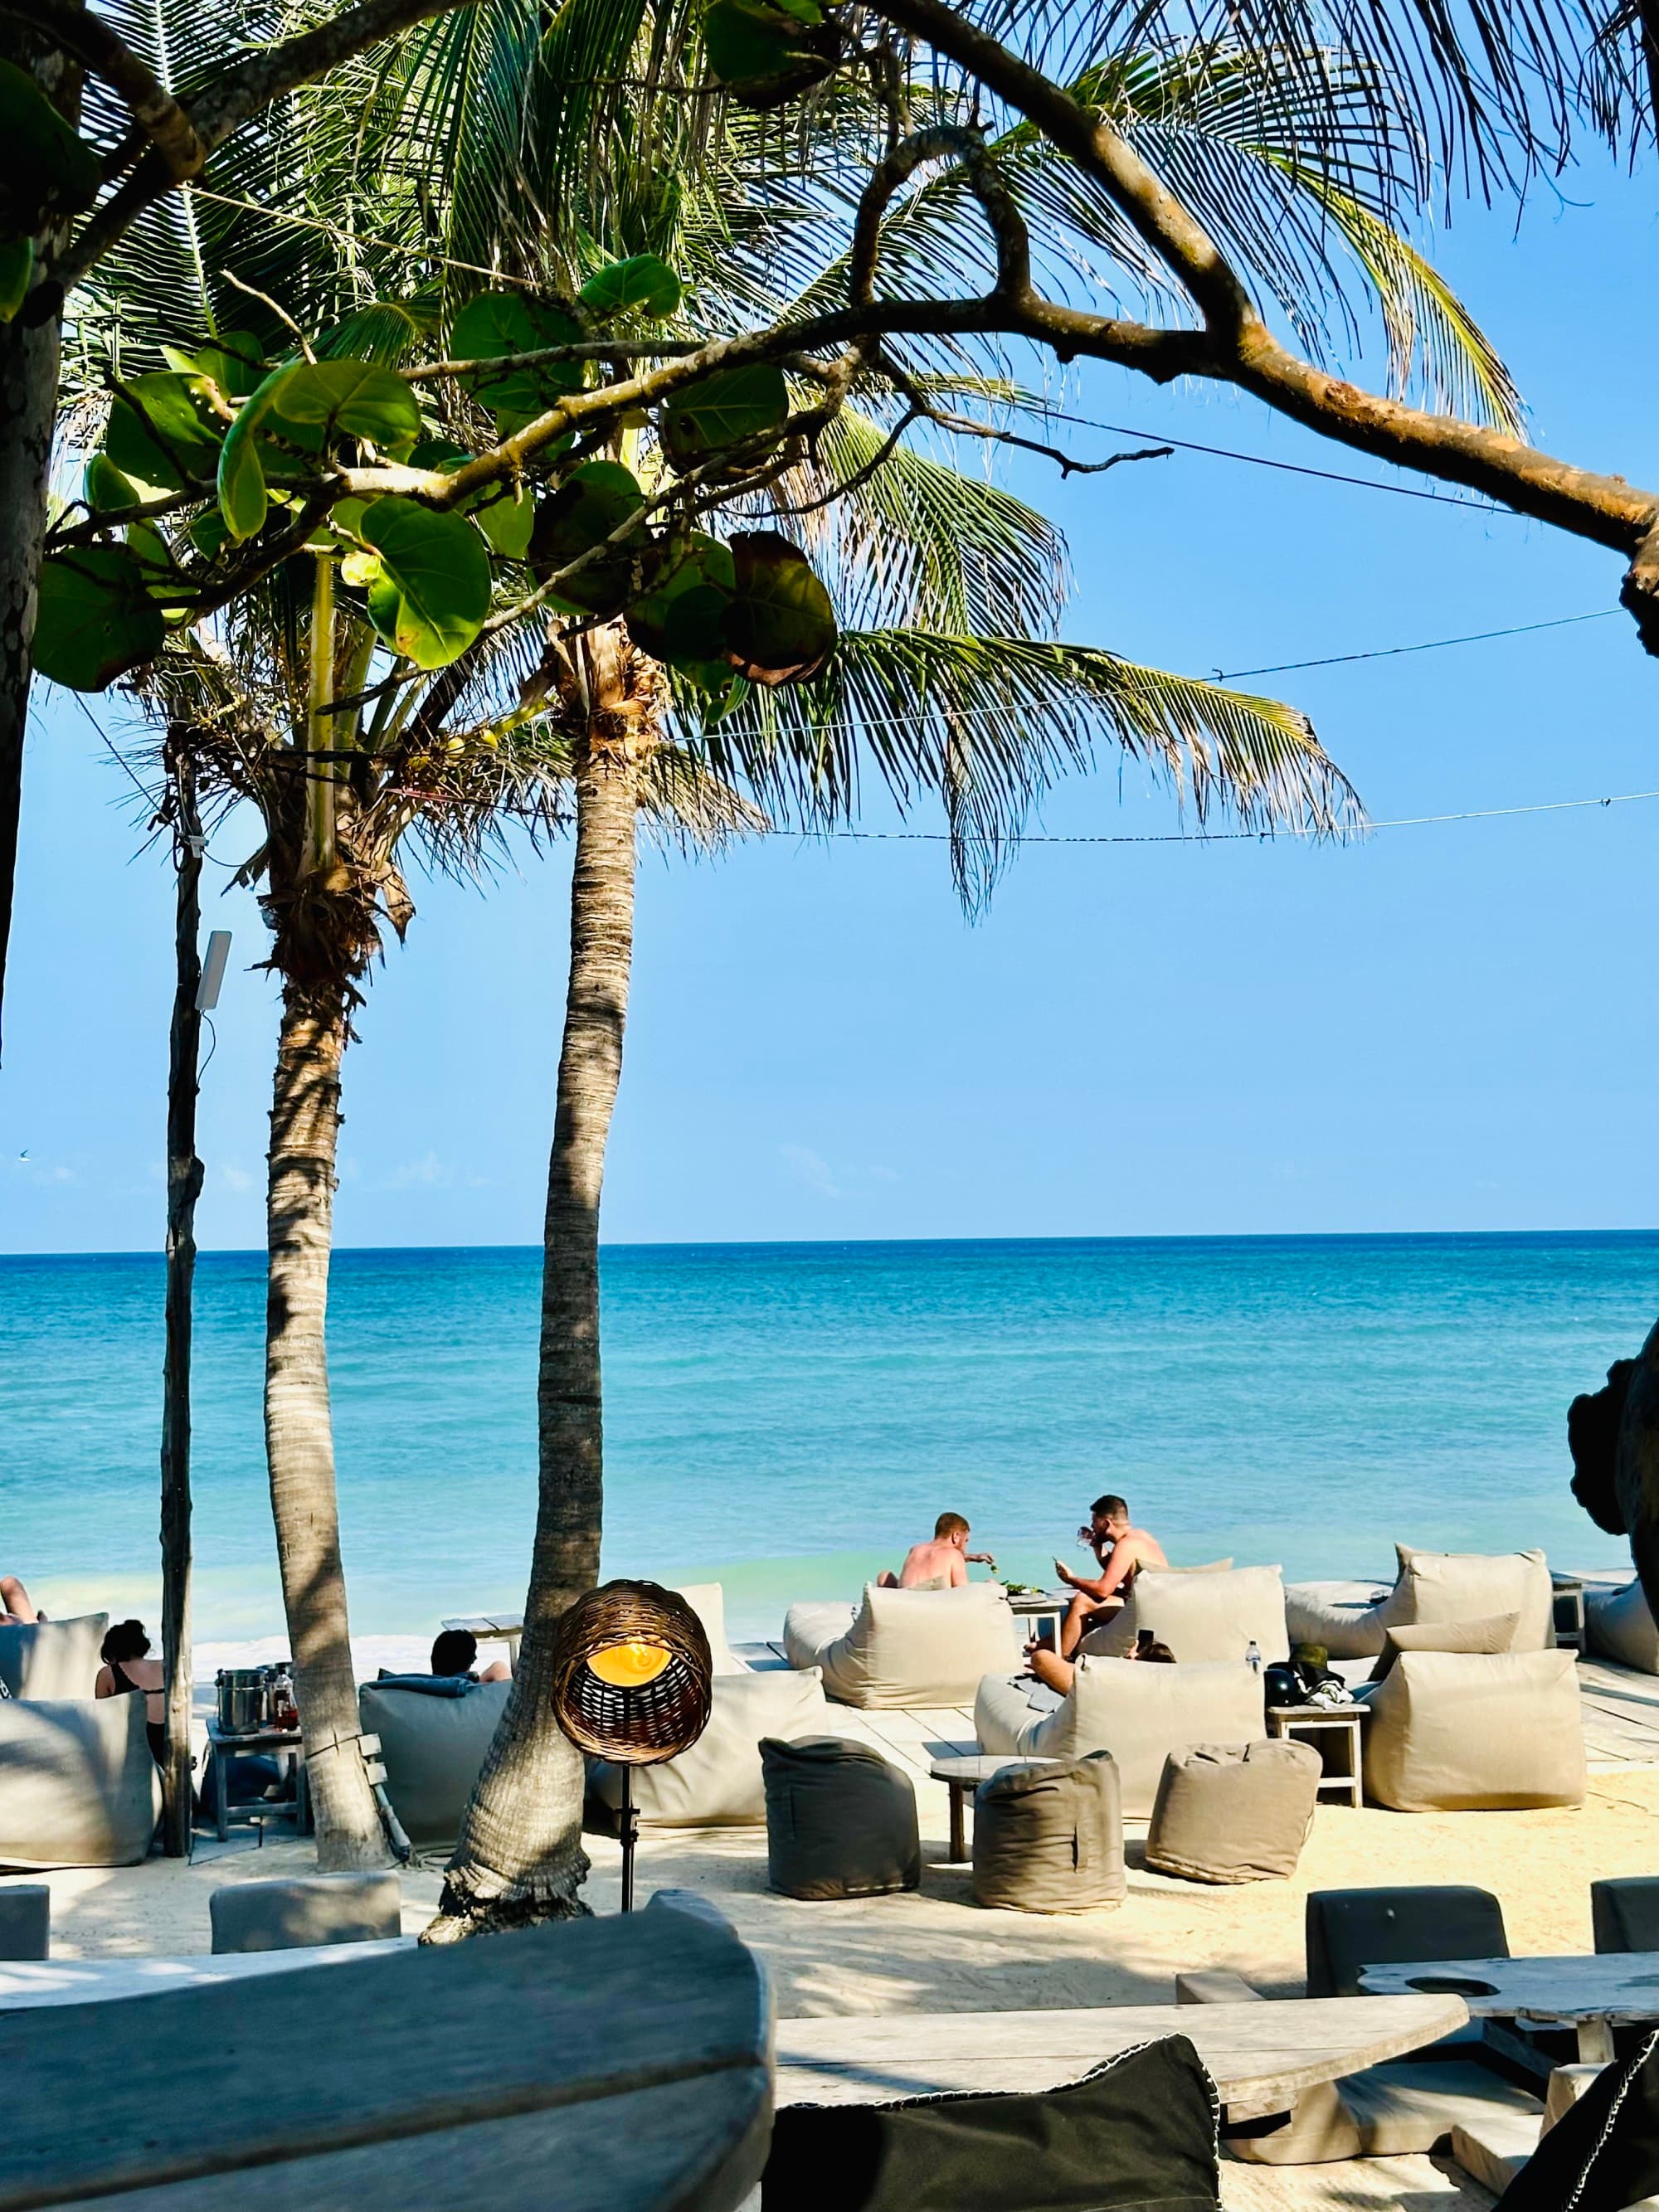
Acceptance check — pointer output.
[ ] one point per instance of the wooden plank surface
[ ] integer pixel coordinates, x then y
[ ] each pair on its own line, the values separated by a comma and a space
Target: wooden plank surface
1261, 2055
149, 2095
1585, 1986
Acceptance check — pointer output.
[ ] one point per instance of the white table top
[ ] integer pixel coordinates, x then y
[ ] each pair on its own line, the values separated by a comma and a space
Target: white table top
1584, 1985
24, 1983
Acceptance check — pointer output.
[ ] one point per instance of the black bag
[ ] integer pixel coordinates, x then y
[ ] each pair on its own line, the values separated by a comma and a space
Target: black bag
1604, 2154
1137, 2132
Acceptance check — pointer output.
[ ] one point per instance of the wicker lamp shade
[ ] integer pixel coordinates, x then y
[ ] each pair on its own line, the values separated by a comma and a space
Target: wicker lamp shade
632, 1722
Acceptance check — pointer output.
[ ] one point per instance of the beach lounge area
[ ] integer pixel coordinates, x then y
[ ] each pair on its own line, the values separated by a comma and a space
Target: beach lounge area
853, 1976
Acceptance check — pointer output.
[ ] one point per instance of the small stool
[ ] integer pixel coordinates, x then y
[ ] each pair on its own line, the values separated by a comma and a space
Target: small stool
1049, 1839
25, 1920
841, 1821
318, 1908
1234, 1812
1625, 1911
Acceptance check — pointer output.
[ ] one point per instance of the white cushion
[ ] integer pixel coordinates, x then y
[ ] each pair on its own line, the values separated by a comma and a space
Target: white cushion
49, 1661
1345, 1617
719, 1782
812, 1626
915, 1647
77, 1784
1619, 1625
1138, 1710
1204, 1616
1459, 1732
1474, 1586
708, 1602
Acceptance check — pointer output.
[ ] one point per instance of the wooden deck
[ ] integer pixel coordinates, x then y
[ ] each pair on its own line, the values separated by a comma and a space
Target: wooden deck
1621, 1719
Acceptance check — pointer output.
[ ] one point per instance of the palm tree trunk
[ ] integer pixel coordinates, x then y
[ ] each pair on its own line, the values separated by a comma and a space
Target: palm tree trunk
519, 1856
184, 1188
298, 1434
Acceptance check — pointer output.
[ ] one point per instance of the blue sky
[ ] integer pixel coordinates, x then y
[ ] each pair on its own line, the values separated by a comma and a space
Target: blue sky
1440, 1027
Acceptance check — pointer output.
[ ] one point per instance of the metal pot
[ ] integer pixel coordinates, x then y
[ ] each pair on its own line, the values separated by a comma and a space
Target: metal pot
244, 1699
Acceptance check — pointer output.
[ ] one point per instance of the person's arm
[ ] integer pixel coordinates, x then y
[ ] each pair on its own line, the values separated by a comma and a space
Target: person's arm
1095, 1589
1125, 1557
105, 1685
981, 1560
497, 1671
958, 1571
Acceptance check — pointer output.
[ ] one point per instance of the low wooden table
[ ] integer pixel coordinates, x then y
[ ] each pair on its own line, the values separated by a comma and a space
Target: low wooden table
1036, 1606
264, 1743
1568, 1607
1330, 1728
961, 1775
1591, 1991
1261, 2057
495, 1628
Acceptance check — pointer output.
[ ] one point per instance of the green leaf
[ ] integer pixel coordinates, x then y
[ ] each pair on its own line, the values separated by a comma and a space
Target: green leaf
96, 617
352, 399
17, 271
496, 323
163, 433
234, 360
506, 519
764, 55
104, 488
644, 285
47, 166
781, 625
681, 619
432, 595
208, 533
594, 500
731, 405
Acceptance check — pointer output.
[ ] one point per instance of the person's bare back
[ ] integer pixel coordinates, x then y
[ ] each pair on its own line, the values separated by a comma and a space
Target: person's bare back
942, 1561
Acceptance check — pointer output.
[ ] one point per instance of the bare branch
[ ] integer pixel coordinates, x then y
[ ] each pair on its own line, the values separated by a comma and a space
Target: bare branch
96, 43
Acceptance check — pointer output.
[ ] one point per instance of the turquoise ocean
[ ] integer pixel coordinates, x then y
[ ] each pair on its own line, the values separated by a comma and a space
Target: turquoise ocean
786, 1418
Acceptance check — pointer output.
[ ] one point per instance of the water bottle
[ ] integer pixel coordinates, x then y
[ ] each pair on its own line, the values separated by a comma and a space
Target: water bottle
1252, 1656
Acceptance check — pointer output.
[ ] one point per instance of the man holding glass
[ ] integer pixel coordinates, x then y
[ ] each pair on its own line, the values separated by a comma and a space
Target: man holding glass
1121, 1550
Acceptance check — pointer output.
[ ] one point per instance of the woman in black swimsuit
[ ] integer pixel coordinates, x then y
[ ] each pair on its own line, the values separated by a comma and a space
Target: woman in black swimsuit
129, 1672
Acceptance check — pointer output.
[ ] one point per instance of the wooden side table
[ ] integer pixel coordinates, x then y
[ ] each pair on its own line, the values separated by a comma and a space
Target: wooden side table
265, 1743
961, 1775
1569, 1611
1335, 1732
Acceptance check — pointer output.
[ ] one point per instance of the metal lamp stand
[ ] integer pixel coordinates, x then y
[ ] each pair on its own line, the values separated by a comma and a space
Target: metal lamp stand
628, 1818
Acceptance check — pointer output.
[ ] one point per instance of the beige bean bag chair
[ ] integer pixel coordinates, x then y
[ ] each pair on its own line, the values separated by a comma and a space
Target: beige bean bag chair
906, 1647
77, 1784
1050, 1838
48, 1661
1349, 1619
1455, 1732
718, 1782
1234, 1812
1138, 1712
1619, 1625
1207, 1615
432, 1749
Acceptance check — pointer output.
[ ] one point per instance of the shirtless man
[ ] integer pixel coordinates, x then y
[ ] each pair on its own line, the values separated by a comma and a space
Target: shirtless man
941, 1563
1122, 1550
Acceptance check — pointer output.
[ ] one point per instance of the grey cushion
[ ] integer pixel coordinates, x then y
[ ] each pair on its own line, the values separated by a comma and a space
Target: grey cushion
1050, 1838
1348, 1929
841, 1821
49, 1661
25, 1920
1138, 1712
1619, 1625
318, 1908
1625, 1913
719, 1782
77, 1784
432, 1749
1230, 1812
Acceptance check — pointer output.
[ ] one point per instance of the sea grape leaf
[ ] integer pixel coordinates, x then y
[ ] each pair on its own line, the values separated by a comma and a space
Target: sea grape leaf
644, 285
681, 619
781, 626
505, 515
432, 594
96, 617
208, 533
352, 399
48, 165
16, 272
594, 501
732, 404
764, 54
164, 434
234, 360
496, 323
104, 488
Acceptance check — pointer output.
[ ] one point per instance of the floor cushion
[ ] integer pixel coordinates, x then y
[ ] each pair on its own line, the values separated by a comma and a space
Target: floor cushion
1050, 1838
1138, 1712
49, 1661
908, 1647
1496, 1634
1205, 1616
310, 1909
1233, 1813
78, 1786
1625, 1913
718, 1782
840, 1820
25, 1920
1476, 1586
1461, 1732
1349, 1930
432, 1749
1619, 1625
1344, 1619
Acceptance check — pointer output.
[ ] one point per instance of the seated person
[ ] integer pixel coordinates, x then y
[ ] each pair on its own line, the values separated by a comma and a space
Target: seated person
454, 1654
939, 1564
128, 1671
1060, 1673
1122, 1551
16, 1608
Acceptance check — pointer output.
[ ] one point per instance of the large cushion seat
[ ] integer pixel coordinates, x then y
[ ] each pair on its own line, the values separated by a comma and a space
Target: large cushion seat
718, 1782
1207, 1615
1050, 1838
49, 1662
78, 1786
432, 1749
1459, 1732
906, 1647
1139, 1711
1233, 1813
1619, 1625
1350, 1618
840, 1820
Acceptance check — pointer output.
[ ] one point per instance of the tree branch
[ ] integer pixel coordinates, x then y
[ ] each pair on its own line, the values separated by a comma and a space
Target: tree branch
107, 54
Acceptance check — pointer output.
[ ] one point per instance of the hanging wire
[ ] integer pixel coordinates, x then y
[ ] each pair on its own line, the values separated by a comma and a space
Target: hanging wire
1429, 645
